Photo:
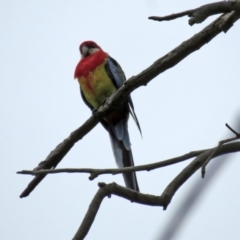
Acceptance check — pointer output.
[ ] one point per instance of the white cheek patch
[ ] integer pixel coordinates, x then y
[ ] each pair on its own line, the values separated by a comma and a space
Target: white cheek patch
88, 51
93, 50
84, 50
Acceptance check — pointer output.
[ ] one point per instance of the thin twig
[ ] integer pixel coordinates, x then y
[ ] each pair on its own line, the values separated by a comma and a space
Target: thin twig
172, 16
198, 15
232, 130
96, 172
147, 167
215, 150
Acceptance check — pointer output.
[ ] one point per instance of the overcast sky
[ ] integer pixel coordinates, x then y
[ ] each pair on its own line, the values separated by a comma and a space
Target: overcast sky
183, 109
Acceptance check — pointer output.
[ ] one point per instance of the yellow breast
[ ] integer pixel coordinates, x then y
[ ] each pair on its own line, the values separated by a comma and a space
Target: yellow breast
97, 86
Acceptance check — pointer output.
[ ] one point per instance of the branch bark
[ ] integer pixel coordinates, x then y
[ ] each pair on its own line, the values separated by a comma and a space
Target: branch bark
107, 190
94, 173
215, 150
198, 15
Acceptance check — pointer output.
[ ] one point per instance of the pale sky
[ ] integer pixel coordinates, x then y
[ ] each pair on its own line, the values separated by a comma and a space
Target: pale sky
182, 110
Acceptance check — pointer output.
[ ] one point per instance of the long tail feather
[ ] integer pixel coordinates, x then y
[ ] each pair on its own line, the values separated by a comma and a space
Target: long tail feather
124, 158
133, 114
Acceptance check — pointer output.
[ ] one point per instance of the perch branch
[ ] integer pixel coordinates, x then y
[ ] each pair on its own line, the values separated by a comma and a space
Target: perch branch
107, 190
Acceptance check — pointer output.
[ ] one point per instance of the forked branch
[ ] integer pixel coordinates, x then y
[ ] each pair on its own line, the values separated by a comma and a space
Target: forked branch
198, 15
107, 190
216, 150
163, 200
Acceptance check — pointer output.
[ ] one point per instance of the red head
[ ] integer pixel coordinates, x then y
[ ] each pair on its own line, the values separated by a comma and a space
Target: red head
91, 57
87, 48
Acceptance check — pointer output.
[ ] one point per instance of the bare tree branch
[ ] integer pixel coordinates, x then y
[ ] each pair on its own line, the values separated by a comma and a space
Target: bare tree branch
190, 199
107, 190
163, 200
174, 224
161, 65
147, 167
188, 171
198, 15
215, 150
96, 172
232, 130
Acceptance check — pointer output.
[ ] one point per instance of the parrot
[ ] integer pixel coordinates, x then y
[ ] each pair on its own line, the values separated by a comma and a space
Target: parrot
99, 76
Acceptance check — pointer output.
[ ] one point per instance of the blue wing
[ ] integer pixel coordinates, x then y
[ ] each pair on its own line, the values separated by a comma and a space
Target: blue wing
119, 132
118, 77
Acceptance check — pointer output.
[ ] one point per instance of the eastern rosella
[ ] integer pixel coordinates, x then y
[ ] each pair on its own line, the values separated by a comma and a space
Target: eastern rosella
99, 76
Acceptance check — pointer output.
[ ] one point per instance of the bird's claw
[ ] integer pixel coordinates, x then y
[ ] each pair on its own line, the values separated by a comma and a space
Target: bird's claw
104, 101
94, 111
